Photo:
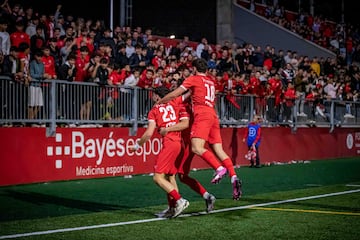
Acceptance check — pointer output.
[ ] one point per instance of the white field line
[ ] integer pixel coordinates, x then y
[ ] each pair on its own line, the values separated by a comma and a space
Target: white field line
184, 215
352, 185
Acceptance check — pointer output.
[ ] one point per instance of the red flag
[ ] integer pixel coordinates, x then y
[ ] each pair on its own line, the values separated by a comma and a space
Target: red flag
231, 99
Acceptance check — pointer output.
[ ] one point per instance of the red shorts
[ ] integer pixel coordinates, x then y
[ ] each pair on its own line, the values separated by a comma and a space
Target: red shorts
206, 126
165, 162
183, 163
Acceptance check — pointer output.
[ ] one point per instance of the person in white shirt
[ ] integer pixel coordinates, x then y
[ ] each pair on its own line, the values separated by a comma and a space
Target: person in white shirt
200, 47
5, 43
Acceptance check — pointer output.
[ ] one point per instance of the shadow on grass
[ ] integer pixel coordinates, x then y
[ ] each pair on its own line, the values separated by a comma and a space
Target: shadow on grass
64, 206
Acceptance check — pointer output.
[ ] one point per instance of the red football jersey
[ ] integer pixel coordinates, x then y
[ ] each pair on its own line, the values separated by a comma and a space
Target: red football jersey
168, 114
203, 92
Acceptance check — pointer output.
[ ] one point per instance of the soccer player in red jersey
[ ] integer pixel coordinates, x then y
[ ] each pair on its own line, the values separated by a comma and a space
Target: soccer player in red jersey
163, 115
184, 160
206, 126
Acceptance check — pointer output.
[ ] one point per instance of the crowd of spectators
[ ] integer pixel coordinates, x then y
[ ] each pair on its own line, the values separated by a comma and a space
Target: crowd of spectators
340, 38
86, 50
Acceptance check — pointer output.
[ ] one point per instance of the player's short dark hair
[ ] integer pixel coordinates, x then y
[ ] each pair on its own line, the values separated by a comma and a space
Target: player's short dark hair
161, 91
200, 64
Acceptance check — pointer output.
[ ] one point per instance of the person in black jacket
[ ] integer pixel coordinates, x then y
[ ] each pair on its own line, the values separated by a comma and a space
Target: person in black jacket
67, 72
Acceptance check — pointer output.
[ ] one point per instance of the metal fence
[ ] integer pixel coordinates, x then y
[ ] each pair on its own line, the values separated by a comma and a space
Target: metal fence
57, 103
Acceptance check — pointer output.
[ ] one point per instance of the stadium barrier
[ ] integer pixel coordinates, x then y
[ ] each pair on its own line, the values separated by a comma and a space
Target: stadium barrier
79, 104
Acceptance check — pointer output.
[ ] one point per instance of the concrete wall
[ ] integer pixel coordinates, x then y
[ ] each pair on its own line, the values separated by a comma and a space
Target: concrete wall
224, 21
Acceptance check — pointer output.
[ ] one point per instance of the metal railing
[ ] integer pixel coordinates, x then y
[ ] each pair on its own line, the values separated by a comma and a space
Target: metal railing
78, 104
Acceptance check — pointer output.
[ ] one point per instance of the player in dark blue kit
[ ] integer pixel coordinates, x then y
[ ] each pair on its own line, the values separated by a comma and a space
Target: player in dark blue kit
252, 137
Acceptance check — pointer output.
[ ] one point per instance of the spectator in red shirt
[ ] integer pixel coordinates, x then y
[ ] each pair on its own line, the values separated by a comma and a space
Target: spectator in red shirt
49, 64
19, 35
289, 102
275, 89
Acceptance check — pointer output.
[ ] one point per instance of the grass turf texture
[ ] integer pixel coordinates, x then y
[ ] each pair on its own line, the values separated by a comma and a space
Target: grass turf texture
68, 204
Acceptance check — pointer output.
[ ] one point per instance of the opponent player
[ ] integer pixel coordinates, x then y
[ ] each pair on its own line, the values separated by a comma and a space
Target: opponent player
162, 115
206, 126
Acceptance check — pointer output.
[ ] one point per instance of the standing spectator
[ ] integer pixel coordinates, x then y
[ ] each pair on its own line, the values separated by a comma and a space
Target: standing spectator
24, 56
19, 35
108, 40
275, 91
129, 49
300, 82
10, 66
288, 74
16, 15
132, 79
84, 40
55, 52
239, 60
32, 25
37, 74
67, 49
82, 75
252, 138
101, 76
278, 60
225, 63
289, 101
37, 41
120, 56
315, 66
137, 59
67, 72
4, 37
23, 76
200, 47
213, 61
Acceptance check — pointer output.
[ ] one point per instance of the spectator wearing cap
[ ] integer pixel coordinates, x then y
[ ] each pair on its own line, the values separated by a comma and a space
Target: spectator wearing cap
5, 43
